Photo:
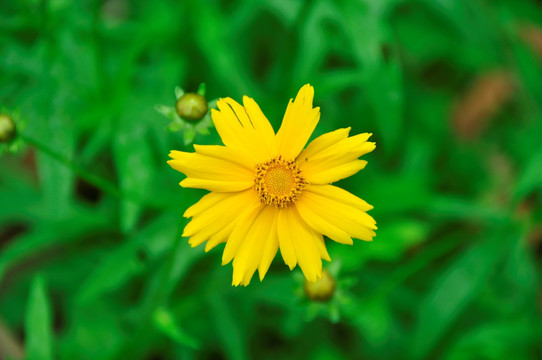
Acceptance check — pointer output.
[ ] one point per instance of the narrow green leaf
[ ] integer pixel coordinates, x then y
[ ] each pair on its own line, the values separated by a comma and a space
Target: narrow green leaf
455, 288
115, 270
451, 207
167, 111
373, 319
393, 240
202, 89
51, 233
189, 134
55, 129
530, 178
134, 163
313, 37
176, 125
228, 329
216, 45
178, 92
288, 9
497, 339
384, 90
38, 323
164, 321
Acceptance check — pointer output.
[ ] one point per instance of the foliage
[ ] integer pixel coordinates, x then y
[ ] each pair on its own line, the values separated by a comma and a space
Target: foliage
450, 88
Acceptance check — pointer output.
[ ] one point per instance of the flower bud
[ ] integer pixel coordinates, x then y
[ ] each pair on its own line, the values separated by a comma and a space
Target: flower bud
191, 106
321, 290
7, 128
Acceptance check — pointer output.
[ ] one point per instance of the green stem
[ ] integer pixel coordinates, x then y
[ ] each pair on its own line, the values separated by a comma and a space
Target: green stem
101, 183
416, 265
163, 289
159, 295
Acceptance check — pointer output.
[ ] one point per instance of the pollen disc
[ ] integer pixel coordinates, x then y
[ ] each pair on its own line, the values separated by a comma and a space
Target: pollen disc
279, 182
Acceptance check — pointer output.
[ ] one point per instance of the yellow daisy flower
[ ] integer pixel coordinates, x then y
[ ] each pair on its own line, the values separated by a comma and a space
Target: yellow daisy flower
267, 192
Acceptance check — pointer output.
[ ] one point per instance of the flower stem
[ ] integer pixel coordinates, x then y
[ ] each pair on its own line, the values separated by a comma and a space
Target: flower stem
418, 264
98, 181
158, 297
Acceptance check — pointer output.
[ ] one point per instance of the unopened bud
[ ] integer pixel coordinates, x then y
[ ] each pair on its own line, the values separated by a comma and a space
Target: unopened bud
191, 106
7, 128
321, 290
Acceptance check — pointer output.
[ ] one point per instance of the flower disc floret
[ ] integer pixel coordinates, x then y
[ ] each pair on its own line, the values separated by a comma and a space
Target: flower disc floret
279, 182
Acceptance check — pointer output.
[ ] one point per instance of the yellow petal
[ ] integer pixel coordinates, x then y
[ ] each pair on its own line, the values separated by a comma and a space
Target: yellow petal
286, 239
211, 173
323, 142
230, 130
205, 203
216, 185
298, 123
341, 195
321, 245
220, 237
223, 210
326, 161
236, 113
300, 243
225, 153
263, 129
350, 219
241, 132
269, 248
308, 253
250, 252
240, 230
320, 223
220, 212
333, 173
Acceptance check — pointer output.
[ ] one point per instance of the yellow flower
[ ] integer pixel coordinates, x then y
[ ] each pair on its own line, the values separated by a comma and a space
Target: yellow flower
267, 192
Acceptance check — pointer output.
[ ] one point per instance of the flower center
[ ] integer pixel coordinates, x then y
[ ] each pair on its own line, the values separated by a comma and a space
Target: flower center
279, 182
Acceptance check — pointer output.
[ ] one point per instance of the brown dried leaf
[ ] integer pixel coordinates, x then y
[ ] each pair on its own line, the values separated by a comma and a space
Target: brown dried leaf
532, 35
481, 101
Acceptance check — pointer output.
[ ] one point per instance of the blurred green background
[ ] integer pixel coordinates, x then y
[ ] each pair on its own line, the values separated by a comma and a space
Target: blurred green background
91, 266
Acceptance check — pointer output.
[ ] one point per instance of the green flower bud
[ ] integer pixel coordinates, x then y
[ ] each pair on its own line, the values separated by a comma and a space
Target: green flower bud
321, 290
7, 128
191, 106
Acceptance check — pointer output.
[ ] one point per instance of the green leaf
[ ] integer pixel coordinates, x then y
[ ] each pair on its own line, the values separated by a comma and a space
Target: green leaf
49, 234
134, 163
56, 179
228, 327
115, 270
168, 112
38, 323
99, 140
314, 37
455, 288
392, 241
450, 207
530, 178
385, 94
397, 237
202, 89
188, 135
409, 192
500, 339
164, 321
214, 36
178, 92
373, 319
176, 125
96, 330
288, 9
